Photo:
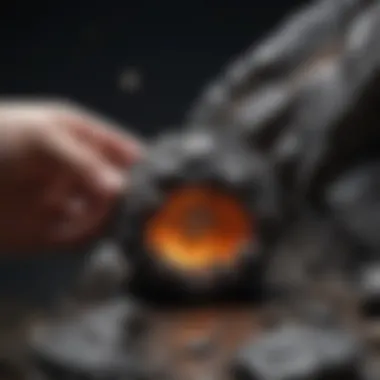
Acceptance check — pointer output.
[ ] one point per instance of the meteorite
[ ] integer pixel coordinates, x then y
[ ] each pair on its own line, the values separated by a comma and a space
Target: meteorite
199, 217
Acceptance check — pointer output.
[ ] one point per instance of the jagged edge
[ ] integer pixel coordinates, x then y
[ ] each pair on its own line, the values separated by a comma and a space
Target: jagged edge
282, 47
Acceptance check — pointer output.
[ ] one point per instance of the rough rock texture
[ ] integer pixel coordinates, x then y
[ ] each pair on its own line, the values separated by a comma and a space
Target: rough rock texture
193, 157
299, 352
308, 92
96, 341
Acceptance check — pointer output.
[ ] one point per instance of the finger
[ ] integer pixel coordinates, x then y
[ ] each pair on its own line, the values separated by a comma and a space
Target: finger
82, 164
112, 146
78, 206
67, 215
118, 150
118, 145
90, 126
62, 198
80, 223
74, 213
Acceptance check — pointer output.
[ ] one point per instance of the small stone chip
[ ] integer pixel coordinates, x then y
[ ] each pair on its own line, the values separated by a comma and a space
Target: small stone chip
298, 353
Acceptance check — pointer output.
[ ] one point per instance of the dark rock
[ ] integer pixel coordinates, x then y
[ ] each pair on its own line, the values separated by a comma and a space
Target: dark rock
201, 348
369, 291
104, 273
355, 203
136, 327
371, 367
201, 157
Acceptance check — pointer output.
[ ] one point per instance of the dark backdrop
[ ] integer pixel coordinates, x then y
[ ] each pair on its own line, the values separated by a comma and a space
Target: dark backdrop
82, 51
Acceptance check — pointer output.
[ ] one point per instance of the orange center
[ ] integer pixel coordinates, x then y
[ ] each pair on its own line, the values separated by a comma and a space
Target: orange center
198, 228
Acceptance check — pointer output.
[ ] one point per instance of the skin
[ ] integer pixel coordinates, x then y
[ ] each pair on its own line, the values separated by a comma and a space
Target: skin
61, 171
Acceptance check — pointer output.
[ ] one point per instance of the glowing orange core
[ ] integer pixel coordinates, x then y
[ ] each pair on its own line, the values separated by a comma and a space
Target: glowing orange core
198, 228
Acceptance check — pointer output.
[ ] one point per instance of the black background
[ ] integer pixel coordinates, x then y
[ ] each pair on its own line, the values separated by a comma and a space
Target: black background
78, 50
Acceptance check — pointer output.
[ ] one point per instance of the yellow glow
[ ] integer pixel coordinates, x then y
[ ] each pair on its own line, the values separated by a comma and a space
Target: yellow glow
198, 228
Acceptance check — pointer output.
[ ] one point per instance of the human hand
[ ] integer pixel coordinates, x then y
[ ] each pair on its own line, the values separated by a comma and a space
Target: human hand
61, 170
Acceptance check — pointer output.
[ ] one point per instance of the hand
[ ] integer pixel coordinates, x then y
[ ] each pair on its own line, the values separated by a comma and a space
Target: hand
61, 170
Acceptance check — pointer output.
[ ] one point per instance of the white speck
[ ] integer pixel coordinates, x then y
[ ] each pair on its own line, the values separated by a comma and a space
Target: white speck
130, 80
199, 143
